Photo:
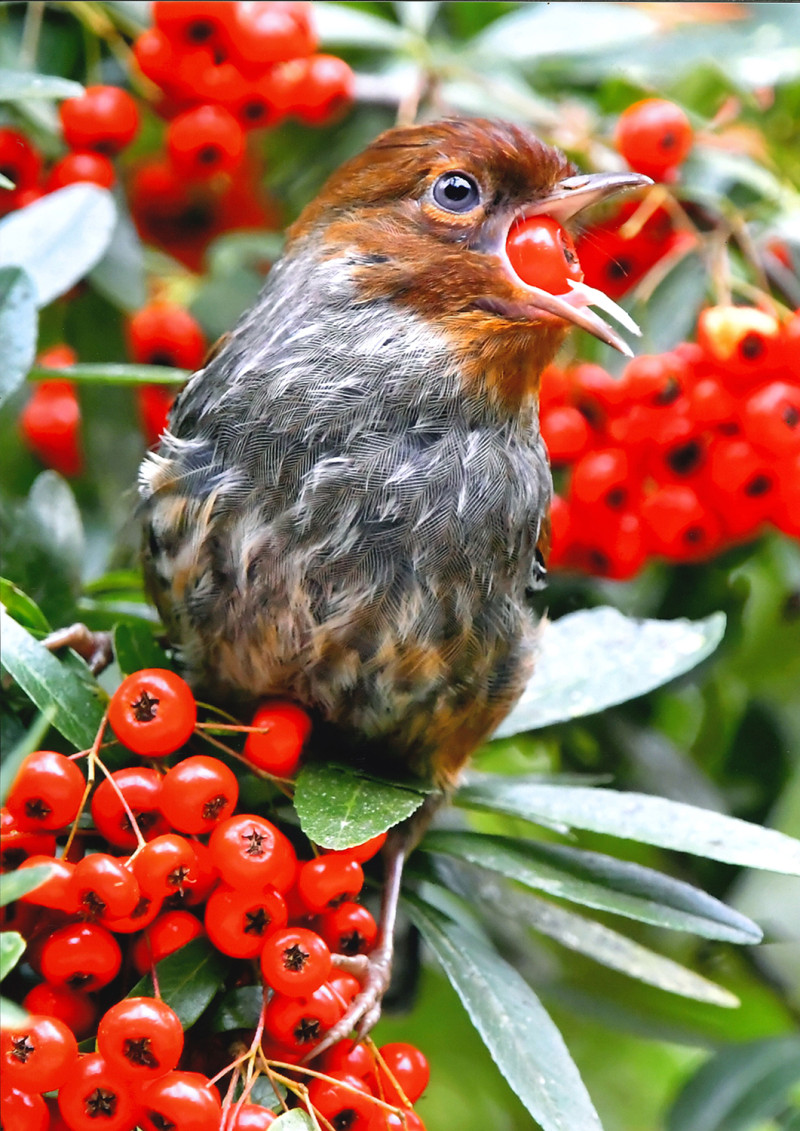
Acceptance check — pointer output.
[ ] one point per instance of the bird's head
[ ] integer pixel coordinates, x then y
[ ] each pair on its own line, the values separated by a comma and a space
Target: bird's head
425, 212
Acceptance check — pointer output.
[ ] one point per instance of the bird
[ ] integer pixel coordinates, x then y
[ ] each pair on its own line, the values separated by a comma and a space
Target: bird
349, 506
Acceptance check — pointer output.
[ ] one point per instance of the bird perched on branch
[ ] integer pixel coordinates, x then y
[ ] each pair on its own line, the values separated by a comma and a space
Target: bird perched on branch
350, 506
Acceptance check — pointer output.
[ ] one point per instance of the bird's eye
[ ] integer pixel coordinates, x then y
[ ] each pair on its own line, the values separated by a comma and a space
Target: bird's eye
456, 192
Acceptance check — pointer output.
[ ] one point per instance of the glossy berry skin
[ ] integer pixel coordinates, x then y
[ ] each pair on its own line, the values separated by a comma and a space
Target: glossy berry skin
103, 118
328, 881
389, 1121
20, 161
242, 848
295, 961
204, 141
37, 1056
58, 890
77, 168
163, 333
654, 136
141, 1038
404, 1070
23, 1111
249, 1117
349, 1107
104, 887
166, 934
46, 792
349, 929
278, 750
198, 793
83, 956
542, 253
361, 852
325, 90
95, 1096
50, 426
239, 921
76, 1010
182, 1100
141, 788
165, 866
153, 712
300, 1022
17, 844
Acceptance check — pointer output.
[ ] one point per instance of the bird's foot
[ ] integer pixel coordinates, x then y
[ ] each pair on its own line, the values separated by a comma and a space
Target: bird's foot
94, 647
374, 972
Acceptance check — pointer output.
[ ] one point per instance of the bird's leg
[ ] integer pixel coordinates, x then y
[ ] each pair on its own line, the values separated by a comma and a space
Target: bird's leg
94, 647
374, 970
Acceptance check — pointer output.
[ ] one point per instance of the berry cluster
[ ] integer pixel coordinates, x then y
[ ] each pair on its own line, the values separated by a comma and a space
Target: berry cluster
688, 452
165, 859
50, 422
224, 70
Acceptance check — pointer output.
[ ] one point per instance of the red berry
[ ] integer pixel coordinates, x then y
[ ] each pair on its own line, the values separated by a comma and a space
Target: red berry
154, 403
771, 419
103, 118
17, 844
566, 433
299, 1022
542, 253
329, 880
189, 23
23, 1111
140, 1037
238, 922
248, 1117
391, 1121
343, 1100
295, 961
326, 87
678, 525
267, 33
278, 751
360, 852
94, 1096
349, 929
601, 478
165, 865
165, 334
742, 341
180, 1100
345, 988
20, 161
166, 934
401, 1073
348, 1056
105, 889
654, 136
75, 168
50, 426
198, 793
141, 788
83, 956
204, 141
76, 1010
57, 892
242, 848
153, 712
37, 1056
46, 792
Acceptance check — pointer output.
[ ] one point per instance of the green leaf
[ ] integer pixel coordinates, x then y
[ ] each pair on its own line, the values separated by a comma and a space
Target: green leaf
188, 979
339, 26
597, 658
18, 86
636, 816
296, 1120
739, 1088
51, 507
30, 740
524, 1042
670, 313
616, 951
417, 15
59, 237
119, 276
599, 881
135, 648
11, 1015
22, 607
339, 807
12, 948
69, 690
18, 328
14, 885
113, 374
538, 30
237, 1009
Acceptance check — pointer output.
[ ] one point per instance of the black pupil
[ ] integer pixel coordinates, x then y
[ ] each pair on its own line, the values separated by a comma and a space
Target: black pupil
455, 192
457, 189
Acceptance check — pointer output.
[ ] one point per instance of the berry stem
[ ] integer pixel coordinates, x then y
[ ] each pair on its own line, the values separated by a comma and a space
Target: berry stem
92, 753
140, 841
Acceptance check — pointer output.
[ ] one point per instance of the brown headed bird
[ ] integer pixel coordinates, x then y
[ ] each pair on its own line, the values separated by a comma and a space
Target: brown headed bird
349, 507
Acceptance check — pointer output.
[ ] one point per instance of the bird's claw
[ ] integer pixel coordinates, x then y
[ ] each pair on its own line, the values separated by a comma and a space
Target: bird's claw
94, 647
374, 972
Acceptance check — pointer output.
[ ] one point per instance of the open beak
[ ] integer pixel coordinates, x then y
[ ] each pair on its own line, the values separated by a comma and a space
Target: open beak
569, 197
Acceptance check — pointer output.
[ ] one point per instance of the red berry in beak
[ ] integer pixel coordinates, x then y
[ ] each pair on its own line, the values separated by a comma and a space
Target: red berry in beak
542, 253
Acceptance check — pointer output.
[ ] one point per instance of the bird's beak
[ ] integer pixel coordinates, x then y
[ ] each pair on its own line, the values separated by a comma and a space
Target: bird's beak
567, 198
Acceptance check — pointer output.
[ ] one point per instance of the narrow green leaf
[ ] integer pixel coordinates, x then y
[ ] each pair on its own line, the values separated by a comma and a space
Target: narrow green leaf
11, 1015
13, 885
103, 373
597, 658
340, 26
12, 948
17, 86
237, 1009
19, 324
339, 807
635, 816
71, 692
30, 740
599, 881
739, 1088
524, 1042
417, 15
670, 313
296, 1120
22, 607
616, 951
135, 648
59, 237
119, 276
188, 980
